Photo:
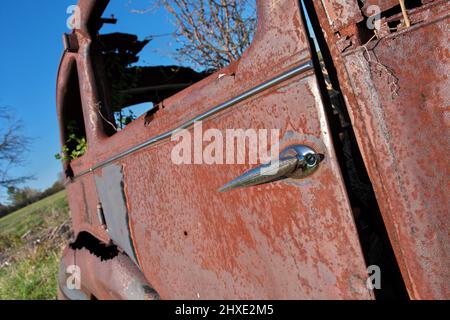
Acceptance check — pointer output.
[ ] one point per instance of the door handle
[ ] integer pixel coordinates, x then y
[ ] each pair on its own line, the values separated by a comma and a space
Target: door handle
297, 162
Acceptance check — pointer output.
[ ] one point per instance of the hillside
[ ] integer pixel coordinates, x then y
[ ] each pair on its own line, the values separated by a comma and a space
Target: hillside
31, 241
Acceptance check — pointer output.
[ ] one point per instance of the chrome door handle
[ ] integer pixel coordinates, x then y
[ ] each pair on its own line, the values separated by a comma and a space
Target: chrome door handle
295, 162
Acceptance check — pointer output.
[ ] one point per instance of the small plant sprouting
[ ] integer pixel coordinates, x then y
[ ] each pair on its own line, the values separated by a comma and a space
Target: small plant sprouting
75, 145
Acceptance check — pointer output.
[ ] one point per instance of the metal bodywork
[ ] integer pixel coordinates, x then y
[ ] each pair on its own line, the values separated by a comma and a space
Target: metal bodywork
116, 278
397, 93
406, 130
292, 239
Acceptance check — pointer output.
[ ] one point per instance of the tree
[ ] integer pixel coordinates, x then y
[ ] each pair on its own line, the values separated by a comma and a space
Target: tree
13, 146
212, 33
3, 210
22, 196
56, 187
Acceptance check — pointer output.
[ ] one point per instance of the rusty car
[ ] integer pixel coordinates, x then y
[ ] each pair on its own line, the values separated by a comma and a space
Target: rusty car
363, 116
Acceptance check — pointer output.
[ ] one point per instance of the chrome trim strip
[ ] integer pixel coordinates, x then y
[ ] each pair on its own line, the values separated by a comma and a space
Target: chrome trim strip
270, 83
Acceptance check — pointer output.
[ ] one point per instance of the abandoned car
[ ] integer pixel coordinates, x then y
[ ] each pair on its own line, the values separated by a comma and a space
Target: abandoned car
358, 187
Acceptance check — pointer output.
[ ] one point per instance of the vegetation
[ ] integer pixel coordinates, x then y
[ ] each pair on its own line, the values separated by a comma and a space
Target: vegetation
22, 197
13, 147
75, 145
31, 242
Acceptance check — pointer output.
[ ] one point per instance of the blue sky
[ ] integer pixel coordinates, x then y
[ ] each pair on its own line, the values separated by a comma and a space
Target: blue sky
31, 47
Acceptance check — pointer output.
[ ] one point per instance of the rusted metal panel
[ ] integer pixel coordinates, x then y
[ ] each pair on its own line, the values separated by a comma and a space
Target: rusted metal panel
289, 239
90, 12
83, 200
398, 99
113, 279
284, 240
341, 13
383, 5
403, 98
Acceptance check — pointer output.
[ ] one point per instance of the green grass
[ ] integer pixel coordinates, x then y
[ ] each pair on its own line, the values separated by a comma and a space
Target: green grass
31, 241
33, 277
17, 223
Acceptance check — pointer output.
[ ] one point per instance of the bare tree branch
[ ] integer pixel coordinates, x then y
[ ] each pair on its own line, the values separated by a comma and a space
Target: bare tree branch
211, 33
13, 147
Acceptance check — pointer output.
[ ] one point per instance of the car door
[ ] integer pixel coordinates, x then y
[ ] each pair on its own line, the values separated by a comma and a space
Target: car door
293, 238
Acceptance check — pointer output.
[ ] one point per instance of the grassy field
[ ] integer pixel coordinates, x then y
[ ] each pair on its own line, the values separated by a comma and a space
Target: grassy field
31, 241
